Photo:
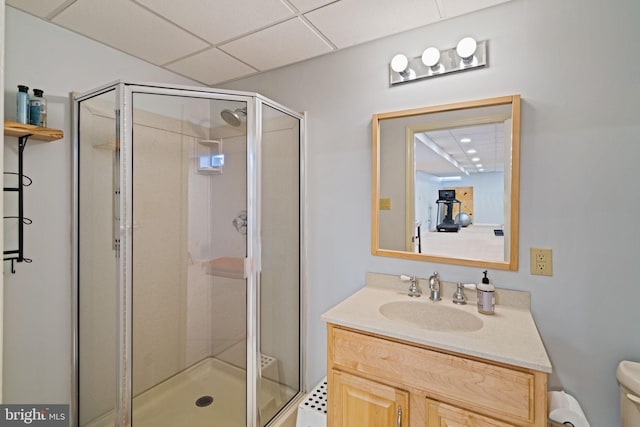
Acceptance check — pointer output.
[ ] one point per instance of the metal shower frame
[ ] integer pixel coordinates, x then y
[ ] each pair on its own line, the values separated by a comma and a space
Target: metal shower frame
124, 91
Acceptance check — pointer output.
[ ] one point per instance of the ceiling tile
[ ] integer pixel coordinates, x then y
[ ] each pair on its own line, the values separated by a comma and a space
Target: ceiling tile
282, 44
130, 28
307, 5
181, 35
453, 8
486, 139
210, 67
350, 22
36, 7
220, 20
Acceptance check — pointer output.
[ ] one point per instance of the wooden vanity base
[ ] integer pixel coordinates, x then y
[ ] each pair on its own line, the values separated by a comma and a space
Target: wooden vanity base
376, 381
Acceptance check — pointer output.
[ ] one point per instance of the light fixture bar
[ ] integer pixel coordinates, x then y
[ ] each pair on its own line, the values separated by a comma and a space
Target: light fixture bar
449, 62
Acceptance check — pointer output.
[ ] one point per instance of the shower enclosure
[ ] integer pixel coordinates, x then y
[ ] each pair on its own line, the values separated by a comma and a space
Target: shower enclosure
187, 257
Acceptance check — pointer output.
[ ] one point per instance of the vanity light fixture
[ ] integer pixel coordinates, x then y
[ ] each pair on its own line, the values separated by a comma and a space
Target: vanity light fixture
467, 55
431, 58
465, 50
400, 64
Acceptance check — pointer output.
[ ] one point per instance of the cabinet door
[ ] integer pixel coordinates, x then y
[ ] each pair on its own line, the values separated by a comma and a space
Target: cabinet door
357, 402
442, 415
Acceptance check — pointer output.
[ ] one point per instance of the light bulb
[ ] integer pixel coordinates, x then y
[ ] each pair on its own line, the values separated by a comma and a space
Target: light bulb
466, 48
399, 63
430, 56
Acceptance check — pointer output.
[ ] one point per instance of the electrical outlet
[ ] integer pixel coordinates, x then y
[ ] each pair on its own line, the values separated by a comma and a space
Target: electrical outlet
541, 262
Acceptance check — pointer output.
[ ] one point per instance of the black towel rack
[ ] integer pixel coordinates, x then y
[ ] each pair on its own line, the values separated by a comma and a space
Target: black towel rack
23, 132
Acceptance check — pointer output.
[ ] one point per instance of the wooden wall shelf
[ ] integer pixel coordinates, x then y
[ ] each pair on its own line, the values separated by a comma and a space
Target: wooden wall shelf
34, 132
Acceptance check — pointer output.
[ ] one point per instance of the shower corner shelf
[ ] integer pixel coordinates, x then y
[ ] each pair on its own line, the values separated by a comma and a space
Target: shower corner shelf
23, 132
229, 267
209, 157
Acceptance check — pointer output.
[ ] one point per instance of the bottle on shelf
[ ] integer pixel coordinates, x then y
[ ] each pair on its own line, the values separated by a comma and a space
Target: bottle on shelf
38, 108
22, 101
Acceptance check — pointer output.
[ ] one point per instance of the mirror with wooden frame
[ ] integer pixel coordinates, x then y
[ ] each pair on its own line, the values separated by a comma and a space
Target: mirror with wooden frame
445, 183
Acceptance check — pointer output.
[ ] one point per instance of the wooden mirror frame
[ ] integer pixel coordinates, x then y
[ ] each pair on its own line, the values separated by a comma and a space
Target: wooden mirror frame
512, 262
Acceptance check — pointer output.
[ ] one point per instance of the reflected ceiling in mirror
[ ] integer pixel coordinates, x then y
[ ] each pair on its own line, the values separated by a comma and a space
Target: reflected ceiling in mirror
471, 148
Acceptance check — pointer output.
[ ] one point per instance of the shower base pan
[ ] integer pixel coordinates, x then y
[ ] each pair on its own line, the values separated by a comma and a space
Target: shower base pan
185, 399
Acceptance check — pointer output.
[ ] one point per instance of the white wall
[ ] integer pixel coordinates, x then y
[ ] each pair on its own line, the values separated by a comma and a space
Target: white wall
37, 318
580, 127
488, 196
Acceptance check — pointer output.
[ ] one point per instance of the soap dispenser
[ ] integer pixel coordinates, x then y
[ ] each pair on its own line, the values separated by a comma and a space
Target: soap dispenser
486, 296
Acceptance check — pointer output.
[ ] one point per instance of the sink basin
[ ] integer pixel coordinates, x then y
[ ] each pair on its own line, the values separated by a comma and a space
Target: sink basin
434, 317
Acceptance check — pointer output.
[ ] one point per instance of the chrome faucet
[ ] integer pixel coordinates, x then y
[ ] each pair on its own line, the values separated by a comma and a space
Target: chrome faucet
434, 287
414, 289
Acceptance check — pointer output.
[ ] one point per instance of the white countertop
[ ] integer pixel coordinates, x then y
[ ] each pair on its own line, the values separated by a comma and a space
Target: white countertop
508, 336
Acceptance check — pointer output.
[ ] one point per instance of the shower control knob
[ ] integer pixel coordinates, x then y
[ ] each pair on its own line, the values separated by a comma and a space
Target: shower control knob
240, 222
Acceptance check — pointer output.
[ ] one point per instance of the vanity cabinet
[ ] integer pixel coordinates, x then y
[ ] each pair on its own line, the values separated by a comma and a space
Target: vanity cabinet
363, 402
442, 415
378, 381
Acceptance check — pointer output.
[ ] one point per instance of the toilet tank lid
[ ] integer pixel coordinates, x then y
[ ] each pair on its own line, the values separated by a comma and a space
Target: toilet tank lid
628, 374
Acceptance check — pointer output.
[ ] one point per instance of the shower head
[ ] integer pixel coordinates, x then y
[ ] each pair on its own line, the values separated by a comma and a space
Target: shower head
233, 117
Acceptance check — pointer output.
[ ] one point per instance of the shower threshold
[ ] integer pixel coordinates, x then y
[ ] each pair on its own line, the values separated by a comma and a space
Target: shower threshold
173, 402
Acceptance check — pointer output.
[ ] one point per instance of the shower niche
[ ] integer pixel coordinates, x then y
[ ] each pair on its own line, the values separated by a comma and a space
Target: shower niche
209, 156
187, 257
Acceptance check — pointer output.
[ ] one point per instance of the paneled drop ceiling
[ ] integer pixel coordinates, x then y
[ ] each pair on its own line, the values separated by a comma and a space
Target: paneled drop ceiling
477, 148
214, 41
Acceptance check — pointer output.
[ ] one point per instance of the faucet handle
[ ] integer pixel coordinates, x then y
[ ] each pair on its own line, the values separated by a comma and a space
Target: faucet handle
414, 290
458, 295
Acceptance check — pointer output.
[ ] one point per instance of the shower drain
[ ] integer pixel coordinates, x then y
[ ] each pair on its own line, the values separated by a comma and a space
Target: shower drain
203, 401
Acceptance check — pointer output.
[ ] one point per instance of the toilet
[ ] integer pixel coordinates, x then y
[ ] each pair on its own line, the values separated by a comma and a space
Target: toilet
628, 374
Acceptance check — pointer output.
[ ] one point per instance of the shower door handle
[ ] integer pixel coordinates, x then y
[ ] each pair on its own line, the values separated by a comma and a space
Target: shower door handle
115, 193
116, 221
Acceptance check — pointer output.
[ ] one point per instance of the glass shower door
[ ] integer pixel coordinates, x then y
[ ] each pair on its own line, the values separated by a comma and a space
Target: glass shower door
280, 231
188, 285
97, 247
